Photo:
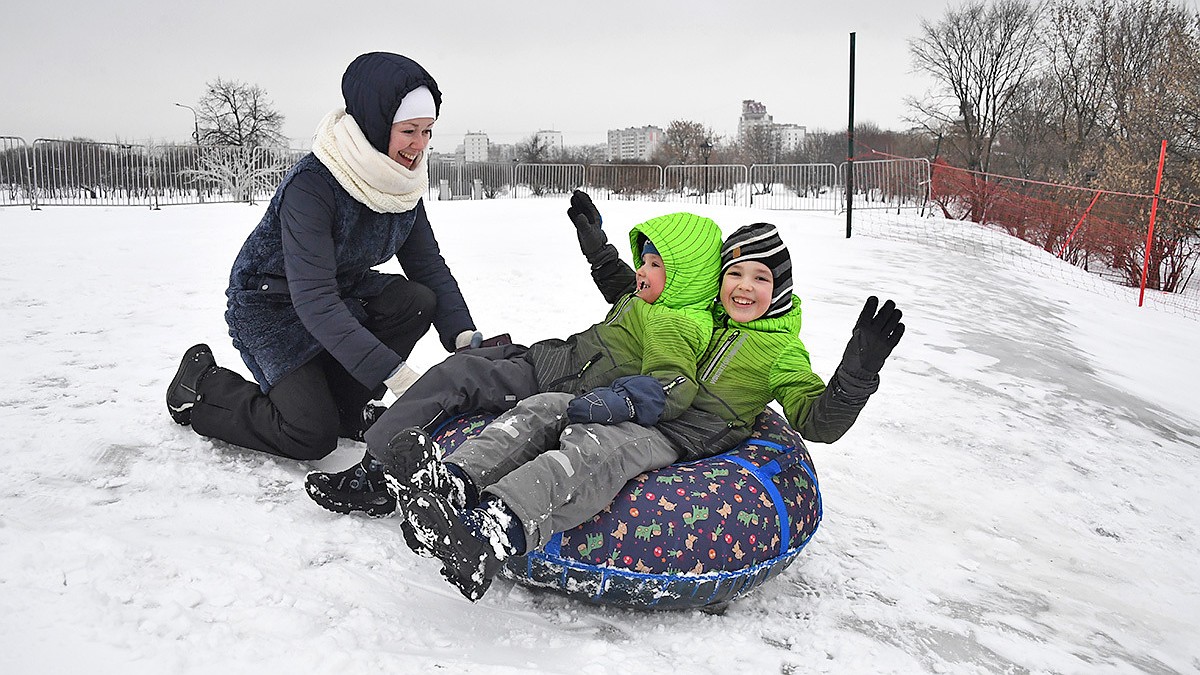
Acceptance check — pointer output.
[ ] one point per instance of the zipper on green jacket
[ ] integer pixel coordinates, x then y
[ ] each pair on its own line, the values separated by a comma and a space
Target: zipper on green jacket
578, 375
619, 309
719, 354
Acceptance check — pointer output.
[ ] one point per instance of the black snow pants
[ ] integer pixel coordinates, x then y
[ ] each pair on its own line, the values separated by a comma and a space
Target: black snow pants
304, 414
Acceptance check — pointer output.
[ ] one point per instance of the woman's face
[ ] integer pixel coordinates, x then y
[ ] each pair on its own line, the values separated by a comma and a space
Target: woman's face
409, 139
651, 277
746, 290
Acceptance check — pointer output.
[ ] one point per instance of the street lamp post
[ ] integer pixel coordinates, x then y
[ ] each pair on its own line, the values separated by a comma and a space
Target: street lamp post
195, 122
706, 147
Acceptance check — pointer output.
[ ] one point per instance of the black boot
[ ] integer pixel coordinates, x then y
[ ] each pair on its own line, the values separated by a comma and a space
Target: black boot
360, 489
183, 393
415, 465
472, 546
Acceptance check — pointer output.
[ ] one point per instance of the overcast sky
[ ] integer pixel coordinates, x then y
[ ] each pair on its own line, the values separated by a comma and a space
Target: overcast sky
113, 70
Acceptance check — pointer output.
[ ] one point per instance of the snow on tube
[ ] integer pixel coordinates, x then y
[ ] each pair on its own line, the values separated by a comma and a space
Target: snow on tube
691, 535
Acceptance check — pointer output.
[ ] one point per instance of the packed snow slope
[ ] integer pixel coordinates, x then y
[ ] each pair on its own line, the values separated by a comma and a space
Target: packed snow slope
1018, 497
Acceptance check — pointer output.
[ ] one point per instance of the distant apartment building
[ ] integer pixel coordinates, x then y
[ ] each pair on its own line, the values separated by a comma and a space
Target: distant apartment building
790, 137
552, 141
634, 143
475, 147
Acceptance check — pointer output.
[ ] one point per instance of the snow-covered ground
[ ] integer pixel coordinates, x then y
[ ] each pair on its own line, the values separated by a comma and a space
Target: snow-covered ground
1018, 497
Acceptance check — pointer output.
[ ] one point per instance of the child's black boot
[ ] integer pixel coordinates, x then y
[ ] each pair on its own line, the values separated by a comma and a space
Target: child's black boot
362, 488
413, 463
472, 546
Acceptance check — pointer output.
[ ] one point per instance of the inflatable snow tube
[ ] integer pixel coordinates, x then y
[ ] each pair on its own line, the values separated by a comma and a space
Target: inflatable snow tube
691, 535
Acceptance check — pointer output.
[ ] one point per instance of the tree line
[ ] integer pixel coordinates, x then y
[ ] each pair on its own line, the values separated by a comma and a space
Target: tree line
1073, 91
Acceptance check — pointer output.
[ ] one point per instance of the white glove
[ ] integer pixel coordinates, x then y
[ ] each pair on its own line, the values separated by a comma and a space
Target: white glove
400, 380
468, 338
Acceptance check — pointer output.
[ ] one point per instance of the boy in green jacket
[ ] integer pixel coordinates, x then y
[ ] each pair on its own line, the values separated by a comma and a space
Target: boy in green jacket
754, 356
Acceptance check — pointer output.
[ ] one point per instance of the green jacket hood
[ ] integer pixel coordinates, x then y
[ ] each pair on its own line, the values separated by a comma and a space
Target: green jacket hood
690, 247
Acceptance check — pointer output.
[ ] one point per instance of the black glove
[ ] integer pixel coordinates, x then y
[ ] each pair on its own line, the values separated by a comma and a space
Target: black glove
639, 398
587, 222
875, 335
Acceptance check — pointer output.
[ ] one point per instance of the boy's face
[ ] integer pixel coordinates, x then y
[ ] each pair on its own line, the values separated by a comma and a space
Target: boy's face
651, 277
746, 290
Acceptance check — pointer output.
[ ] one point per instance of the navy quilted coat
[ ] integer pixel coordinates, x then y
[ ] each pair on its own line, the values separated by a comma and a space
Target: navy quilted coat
298, 284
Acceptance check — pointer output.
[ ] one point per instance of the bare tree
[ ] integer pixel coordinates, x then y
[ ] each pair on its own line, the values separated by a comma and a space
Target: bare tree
584, 154
685, 142
233, 113
237, 173
1152, 48
759, 145
1080, 74
981, 56
533, 150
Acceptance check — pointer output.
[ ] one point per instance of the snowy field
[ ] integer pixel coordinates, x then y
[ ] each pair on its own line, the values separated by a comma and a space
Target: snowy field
1020, 496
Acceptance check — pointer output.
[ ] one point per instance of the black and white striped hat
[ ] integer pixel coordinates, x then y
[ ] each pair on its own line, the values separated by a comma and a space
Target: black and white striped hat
760, 242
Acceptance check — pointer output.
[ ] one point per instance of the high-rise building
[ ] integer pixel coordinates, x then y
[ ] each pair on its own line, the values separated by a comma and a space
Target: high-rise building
791, 136
634, 143
754, 114
552, 141
475, 147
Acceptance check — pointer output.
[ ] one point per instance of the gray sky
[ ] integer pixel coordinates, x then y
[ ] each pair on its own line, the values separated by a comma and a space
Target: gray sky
113, 70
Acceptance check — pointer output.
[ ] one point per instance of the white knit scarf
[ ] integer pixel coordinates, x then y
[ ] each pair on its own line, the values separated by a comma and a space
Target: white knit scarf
370, 176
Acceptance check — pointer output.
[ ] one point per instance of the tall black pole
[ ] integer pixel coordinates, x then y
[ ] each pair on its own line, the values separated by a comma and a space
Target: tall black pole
850, 148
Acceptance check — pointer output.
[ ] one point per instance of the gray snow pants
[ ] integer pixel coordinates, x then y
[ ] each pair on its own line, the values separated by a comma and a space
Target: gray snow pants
555, 475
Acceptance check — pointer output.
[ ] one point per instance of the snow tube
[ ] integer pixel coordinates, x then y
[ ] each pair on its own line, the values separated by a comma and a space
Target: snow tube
691, 535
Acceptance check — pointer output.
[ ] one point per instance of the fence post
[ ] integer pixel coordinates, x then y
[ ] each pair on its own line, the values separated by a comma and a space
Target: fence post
850, 148
1162, 157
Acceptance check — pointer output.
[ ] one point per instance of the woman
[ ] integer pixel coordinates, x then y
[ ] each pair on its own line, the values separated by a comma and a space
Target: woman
321, 331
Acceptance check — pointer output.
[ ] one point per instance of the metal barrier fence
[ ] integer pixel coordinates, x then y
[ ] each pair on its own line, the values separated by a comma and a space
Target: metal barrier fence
15, 169
796, 187
625, 181
890, 183
55, 172
547, 180
725, 184
74, 173
470, 180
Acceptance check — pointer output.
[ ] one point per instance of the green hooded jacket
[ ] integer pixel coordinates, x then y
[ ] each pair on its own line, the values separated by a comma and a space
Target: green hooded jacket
664, 339
745, 367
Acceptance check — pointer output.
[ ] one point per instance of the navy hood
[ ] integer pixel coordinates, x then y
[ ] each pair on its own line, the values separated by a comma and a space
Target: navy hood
373, 86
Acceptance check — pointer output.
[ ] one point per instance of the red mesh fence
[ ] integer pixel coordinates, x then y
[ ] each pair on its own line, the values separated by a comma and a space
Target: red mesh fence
1089, 238
1101, 231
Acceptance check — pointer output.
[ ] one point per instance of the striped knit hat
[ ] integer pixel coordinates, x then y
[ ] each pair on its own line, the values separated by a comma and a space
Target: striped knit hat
760, 242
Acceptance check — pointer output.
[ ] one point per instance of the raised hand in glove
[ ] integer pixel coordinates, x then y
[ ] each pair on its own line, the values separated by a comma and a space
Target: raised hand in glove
638, 398
587, 223
875, 335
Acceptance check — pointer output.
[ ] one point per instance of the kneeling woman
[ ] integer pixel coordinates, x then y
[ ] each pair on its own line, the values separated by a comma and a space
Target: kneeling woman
322, 332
